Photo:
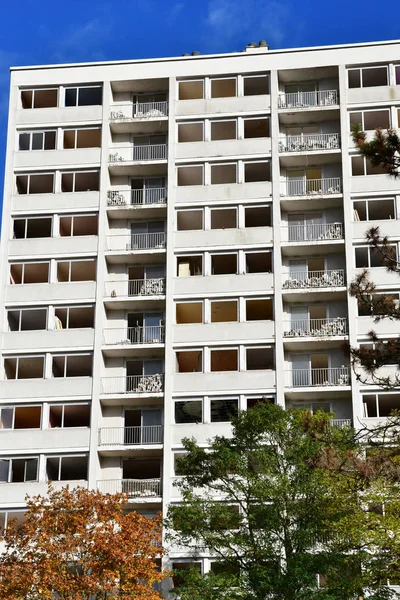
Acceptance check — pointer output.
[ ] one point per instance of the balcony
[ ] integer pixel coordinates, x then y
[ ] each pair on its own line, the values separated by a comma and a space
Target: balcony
309, 142
134, 335
141, 197
322, 377
135, 287
137, 241
315, 279
141, 153
131, 436
139, 110
135, 488
313, 99
314, 232
312, 187
316, 327
341, 423
133, 384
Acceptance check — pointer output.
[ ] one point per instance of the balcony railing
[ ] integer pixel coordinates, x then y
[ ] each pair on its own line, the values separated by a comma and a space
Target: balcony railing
312, 187
130, 436
314, 232
137, 241
319, 377
135, 488
140, 110
304, 99
133, 384
315, 279
341, 423
309, 142
138, 153
135, 287
316, 327
137, 197
134, 335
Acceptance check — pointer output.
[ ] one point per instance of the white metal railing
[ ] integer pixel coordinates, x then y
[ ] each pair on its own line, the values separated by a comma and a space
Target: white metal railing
307, 187
315, 279
319, 377
304, 99
341, 423
135, 287
129, 436
309, 142
150, 334
135, 488
132, 110
133, 384
137, 241
137, 197
315, 327
307, 232
138, 153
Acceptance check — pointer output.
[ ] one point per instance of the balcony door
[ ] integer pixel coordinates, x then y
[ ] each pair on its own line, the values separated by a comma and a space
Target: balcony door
304, 94
146, 235
308, 319
306, 226
301, 370
304, 181
141, 426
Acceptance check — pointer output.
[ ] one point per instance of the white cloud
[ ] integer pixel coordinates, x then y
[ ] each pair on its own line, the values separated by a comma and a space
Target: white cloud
251, 20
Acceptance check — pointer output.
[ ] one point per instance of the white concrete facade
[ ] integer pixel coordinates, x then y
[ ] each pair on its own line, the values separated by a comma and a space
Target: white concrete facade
178, 237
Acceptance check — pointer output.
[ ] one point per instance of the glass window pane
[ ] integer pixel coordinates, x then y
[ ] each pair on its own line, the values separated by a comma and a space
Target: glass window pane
37, 141
70, 97
374, 76
89, 96
223, 410
6, 418
354, 78
362, 258
188, 411
24, 140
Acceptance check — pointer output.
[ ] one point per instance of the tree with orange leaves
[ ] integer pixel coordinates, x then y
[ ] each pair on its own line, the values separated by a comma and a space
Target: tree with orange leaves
79, 544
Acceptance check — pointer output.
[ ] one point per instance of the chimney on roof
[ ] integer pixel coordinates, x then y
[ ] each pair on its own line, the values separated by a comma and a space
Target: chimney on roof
252, 47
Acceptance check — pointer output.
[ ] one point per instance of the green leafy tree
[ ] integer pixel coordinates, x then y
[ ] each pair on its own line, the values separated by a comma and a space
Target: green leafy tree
282, 507
382, 151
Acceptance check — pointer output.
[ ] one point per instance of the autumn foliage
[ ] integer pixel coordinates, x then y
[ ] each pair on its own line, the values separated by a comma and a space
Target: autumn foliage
79, 544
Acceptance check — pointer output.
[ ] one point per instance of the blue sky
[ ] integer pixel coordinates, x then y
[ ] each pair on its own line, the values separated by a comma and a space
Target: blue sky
51, 31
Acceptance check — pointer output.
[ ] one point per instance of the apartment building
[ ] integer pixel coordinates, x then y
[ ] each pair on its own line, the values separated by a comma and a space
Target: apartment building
178, 238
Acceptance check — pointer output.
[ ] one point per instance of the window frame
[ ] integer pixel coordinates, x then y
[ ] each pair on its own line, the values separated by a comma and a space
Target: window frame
17, 358
225, 163
25, 458
363, 111
20, 311
186, 401
369, 250
78, 88
367, 201
13, 407
32, 218
186, 166
361, 69
223, 398
65, 366
38, 89
224, 120
225, 78
37, 262
31, 132
196, 122
67, 307
195, 80
76, 130
80, 172
74, 216
74, 260
29, 175
62, 405
60, 458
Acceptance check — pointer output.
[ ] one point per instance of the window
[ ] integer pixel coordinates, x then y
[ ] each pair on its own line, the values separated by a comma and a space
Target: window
38, 183
226, 519
223, 410
223, 173
178, 569
376, 209
223, 218
20, 417
224, 264
259, 359
380, 405
8, 516
74, 317
256, 128
189, 312
189, 411
39, 98
189, 266
189, 361
257, 216
18, 470
76, 270
37, 140
224, 311
224, 360
257, 171
362, 166
24, 367
80, 181
84, 96
189, 220
252, 402
24, 273
190, 175
27, 319
32, 227
69, 415
190, 132
255, 85
223, 130
223, 88
75, 225
66, 468
367, 257
397, 71
370, 119
259, 310
191, 90
72, 365
258, 262
377, 303
368, 77
82, 138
